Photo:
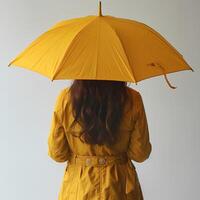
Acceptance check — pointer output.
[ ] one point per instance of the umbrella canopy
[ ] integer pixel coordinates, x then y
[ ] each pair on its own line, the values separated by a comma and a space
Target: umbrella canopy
101, 47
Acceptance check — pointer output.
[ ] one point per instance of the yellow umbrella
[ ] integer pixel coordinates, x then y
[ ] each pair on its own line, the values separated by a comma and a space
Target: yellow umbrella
101, 47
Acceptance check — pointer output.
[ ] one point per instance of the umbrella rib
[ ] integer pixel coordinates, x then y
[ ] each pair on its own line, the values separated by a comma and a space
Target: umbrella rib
133, 74
158, 35
65, 53
73, 20
36, 42
98, 36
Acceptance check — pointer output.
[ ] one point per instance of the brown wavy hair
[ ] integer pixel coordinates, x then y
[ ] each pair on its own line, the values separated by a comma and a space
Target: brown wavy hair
98, 105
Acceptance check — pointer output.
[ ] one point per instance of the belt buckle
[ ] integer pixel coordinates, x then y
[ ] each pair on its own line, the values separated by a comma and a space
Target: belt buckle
102, 161
88, 162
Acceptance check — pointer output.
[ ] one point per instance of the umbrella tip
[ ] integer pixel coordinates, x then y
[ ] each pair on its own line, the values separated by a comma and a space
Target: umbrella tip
100, 11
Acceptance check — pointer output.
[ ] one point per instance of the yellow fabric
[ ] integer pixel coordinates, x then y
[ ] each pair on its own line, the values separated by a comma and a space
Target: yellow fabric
113, 181
103, 48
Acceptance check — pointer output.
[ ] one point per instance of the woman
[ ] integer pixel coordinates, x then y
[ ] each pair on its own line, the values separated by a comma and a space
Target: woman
98, 127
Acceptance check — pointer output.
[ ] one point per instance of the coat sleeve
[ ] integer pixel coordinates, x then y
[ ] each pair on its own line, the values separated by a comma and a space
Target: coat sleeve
58, 147
139, 147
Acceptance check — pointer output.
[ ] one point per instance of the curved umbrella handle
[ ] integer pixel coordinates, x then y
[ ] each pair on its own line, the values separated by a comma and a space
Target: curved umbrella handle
164, 73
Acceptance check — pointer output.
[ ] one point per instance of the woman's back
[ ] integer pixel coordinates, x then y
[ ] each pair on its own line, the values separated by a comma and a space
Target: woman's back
99, 171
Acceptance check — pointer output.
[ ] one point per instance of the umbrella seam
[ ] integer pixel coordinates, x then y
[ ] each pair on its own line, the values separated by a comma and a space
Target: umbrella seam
156, 33
97, 50
123, 49
65, 53
34, 43
73, 20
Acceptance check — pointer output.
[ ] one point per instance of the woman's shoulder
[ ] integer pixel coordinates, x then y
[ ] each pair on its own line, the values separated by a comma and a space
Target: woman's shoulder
63, 94
136, 97
64, 91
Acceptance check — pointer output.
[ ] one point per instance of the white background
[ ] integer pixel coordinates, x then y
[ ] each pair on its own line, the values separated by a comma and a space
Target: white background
27, 100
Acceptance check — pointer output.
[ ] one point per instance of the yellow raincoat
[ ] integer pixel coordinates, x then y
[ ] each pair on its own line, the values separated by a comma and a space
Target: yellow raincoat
97, 172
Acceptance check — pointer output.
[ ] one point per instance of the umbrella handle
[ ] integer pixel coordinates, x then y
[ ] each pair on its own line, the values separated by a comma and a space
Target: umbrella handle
164, 73
171, 86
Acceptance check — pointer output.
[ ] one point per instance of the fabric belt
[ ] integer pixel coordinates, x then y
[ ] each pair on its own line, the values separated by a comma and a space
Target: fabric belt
97, 160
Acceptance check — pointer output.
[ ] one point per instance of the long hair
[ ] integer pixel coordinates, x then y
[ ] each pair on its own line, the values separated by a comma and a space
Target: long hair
98, 107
